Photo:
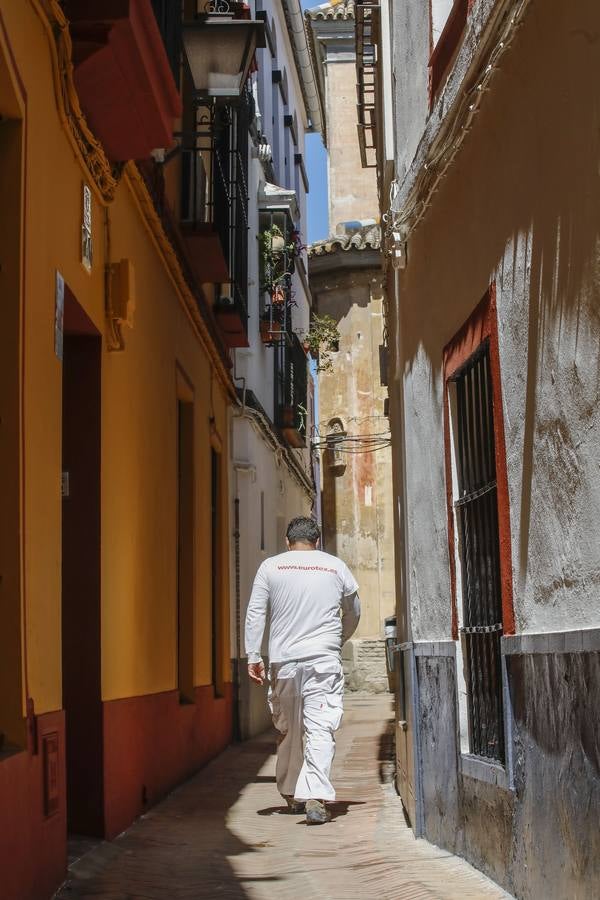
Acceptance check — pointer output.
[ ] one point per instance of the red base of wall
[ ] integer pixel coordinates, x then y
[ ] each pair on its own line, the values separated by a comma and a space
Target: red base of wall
151, 744
33, 846
154, 742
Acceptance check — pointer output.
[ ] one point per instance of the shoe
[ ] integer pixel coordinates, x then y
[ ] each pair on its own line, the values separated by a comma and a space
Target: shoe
294, 806
316, 812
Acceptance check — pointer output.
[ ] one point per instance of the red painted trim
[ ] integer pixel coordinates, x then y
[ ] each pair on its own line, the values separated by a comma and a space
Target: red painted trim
481, 325
33, 846
154, 742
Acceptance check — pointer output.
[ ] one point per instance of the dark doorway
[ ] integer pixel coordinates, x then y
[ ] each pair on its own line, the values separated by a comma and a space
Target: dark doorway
81, 660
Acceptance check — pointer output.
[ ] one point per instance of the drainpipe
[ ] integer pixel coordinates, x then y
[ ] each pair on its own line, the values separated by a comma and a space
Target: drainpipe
304, 63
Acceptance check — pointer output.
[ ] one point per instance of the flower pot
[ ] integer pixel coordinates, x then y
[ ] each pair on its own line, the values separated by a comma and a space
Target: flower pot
278, 296
277, 243
288, 416
269, 331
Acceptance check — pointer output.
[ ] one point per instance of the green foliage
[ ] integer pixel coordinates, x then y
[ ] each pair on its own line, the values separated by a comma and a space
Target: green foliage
275, 256
322, 340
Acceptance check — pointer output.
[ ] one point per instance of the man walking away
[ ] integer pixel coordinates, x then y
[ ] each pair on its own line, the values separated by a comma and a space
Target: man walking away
313, 606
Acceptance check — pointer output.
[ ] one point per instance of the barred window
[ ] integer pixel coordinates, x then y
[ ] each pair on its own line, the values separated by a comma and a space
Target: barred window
476, 517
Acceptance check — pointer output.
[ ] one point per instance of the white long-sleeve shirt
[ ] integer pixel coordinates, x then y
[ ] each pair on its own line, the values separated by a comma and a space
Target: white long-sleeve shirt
312, 601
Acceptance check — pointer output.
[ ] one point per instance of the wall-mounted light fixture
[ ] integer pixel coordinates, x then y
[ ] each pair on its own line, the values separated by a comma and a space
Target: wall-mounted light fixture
219, 51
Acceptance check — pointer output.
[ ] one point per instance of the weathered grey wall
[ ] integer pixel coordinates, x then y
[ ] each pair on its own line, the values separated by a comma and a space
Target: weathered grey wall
542, 839
438, 728
519, 206
556, 704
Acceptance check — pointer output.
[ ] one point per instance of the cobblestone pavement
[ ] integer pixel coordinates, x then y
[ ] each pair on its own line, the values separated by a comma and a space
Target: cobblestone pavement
225, 834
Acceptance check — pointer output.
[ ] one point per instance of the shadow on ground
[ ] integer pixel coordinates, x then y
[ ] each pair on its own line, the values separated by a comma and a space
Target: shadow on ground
181, 849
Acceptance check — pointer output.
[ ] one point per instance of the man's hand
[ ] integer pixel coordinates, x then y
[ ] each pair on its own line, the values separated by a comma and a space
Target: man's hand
256, 672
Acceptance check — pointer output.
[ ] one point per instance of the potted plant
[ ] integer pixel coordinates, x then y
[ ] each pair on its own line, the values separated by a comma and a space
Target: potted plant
293, 425
276, 257
271, 324
321, 340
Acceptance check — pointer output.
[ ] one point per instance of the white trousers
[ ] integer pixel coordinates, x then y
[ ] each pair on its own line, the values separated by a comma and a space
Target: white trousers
306, 700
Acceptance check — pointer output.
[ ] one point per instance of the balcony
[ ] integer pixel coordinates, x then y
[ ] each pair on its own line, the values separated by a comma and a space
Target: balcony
291, 391
278, 249
214, 209
122, 75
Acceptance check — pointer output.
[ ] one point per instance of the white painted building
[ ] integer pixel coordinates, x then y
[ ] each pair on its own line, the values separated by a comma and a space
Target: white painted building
272, 467
494, 335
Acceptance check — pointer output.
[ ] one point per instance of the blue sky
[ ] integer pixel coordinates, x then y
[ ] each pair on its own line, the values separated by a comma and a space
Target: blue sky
316, 165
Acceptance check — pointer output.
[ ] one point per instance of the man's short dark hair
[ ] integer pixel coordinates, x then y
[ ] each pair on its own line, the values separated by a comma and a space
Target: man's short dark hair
304, 530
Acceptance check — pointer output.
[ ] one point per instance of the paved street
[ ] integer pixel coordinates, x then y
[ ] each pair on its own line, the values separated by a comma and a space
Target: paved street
225, 834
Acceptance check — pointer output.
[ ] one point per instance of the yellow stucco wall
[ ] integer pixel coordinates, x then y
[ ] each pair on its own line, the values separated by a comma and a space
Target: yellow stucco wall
139, 408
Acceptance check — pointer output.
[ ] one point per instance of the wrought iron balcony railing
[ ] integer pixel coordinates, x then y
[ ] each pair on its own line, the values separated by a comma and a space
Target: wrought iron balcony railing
291, 391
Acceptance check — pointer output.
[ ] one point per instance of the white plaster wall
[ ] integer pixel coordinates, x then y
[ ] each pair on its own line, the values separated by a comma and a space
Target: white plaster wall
410, 58
283, 499
520, 206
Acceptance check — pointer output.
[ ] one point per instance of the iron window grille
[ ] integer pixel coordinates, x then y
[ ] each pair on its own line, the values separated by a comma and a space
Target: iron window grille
214, 187
476, 513
291, 386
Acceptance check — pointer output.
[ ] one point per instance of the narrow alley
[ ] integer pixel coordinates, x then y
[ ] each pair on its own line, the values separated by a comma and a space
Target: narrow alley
300, 401
225, 834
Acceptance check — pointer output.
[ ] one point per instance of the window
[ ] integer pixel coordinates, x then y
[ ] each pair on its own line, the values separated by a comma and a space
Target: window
478, 514
230, 199
214, 189
216, 564
477, 523
185, 548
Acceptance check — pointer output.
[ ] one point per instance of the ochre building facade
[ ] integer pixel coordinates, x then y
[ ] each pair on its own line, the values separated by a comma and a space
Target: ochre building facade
114, 645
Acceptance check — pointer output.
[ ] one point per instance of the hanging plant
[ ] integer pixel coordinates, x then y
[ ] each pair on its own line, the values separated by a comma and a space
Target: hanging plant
321, 340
